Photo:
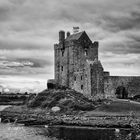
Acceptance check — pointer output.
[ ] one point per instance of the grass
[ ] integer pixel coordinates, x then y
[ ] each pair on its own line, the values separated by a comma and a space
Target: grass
116, 107
65, 99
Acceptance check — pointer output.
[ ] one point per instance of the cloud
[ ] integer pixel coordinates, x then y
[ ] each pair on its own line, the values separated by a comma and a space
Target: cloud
4, 11
118, 21
29, 28
6, 64
121, 64
22, 84
25, 67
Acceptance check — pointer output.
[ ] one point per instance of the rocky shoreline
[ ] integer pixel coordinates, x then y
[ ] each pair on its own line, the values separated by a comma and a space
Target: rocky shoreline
70, 109
119, 125
42, 117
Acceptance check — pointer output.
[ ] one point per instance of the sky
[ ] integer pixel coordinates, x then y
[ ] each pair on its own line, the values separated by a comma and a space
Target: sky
29, 29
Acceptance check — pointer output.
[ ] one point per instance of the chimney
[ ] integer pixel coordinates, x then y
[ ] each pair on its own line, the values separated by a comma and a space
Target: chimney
61, 36
68, 34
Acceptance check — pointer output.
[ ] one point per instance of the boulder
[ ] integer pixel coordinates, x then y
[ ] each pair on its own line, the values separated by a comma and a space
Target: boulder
51, 84
55, 109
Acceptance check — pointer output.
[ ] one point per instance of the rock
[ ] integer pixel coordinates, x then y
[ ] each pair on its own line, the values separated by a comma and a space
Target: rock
55, 109
51, 84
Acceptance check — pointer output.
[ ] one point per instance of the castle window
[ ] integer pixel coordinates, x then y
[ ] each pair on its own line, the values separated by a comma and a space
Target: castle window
61, 68
81, 77
86, 52
74, 78
62, 53
82, 87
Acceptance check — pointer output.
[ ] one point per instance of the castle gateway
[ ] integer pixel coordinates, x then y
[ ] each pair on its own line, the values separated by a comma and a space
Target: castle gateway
77, 67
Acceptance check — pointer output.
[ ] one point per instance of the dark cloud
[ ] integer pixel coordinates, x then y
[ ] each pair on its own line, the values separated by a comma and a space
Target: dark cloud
4, 13
17, 2
29, 28
22, 66
23, 45
118, 23
134, 36
124, 47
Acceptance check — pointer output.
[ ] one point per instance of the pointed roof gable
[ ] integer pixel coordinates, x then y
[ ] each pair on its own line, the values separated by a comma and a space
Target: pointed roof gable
75, 36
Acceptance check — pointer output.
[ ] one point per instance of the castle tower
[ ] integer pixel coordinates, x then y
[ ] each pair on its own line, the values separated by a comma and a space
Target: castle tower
77, 65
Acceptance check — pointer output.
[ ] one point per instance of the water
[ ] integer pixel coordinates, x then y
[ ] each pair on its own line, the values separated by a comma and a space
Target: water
88, 133
9, 131
15, 132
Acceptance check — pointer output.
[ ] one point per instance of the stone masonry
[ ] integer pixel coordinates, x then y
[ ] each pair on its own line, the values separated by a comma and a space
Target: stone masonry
77, 67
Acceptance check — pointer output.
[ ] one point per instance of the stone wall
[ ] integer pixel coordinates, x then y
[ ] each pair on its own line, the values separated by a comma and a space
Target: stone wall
97, 78
73, 71
82, 71
79, 68
56, 62
71, 68
61, 64
93, 51
132, 85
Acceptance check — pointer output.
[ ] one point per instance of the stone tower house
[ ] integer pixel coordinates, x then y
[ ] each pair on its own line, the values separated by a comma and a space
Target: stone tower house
77, 65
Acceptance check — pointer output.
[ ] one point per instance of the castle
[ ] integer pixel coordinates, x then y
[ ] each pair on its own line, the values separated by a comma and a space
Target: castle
77, 67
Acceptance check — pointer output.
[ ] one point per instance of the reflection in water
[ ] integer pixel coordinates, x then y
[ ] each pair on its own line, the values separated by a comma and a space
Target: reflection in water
15, 132
88, 133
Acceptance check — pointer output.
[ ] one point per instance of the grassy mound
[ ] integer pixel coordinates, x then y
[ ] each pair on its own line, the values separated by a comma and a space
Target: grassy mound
65, 99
